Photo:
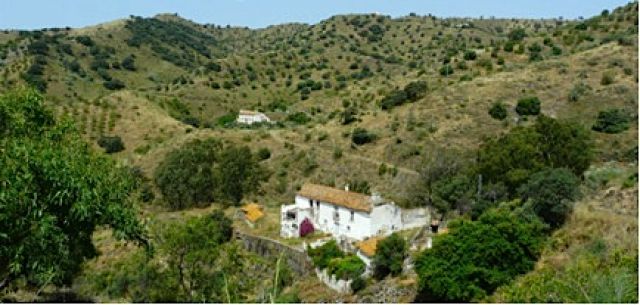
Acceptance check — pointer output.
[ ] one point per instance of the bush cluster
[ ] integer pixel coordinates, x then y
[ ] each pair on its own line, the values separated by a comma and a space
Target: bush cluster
112, 144
612, 121
411, 93
498, 111
528, 106
361, 136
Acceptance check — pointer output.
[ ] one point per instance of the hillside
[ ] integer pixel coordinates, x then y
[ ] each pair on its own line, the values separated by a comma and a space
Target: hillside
160, 82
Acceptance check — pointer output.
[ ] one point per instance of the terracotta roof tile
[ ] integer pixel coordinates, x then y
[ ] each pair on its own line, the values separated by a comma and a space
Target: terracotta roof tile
368, 246
351, 200
248, 112
253, 212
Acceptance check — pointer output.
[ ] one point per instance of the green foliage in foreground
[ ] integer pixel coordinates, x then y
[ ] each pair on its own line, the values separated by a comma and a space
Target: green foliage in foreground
588, 278
194, 261
476, 257
390, 255
54, 192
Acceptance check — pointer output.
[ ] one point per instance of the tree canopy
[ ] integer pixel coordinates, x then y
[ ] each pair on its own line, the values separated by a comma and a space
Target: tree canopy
552, 192
238, 173
202, 171
513, 157
55, 191
185, 176
476, 257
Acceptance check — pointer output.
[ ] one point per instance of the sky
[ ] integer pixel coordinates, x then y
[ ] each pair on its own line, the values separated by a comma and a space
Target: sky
36, 14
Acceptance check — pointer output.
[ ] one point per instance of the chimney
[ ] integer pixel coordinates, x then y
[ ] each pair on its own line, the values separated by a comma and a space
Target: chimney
376, 198
346, 187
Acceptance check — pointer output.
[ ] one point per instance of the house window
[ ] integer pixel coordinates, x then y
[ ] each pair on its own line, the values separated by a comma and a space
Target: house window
317, 204
291, 215
352, 215
348, 228
310, 203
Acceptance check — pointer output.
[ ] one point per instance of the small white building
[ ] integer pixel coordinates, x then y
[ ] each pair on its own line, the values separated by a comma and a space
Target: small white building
251, 117
343, 214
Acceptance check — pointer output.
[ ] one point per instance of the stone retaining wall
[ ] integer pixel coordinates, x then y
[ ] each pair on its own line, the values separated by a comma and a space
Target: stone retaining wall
296, 259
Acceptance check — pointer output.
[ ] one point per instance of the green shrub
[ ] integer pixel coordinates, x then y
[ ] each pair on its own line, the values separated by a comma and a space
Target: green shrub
191, 120
382, 169
346, 268
577, 91
146, 193
415, 90
517, 34
361, 136
264, 153
446, 70
485, 63
360, 186
129, 63
466, 78
607, 79
498, 111
349, 115
322, 255
528, 106
85, 40
470, 55
288, 298
390, 255
411, 93
111, 144
508, 46
337, 153
114, 84
299, 118
227, 119
476, 257
612, 121
358, 284
552, 192
395, 98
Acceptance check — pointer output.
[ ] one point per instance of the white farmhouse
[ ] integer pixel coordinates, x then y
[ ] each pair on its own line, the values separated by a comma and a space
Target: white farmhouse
343, 214
251, 117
